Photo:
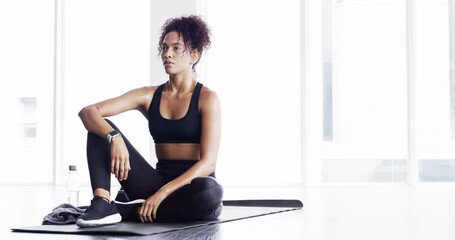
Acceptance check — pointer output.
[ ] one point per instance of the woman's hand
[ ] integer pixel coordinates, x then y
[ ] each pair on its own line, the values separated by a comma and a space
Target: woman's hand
120, 162
147, 212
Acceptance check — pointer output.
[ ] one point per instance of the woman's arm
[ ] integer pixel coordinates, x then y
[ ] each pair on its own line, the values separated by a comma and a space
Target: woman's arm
92, 117
210, 109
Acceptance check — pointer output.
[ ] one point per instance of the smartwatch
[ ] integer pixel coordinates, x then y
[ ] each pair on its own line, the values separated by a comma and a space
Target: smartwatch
112, 135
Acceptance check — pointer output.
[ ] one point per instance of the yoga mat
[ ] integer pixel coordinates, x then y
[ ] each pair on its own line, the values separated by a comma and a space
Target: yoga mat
233, 210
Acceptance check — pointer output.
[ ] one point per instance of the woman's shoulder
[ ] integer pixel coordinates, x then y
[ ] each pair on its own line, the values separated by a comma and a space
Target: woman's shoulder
143, 94
146, 90
144, 97
208, 94
208, 97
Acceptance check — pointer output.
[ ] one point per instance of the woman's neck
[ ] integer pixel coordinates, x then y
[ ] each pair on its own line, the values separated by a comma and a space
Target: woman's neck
181, 83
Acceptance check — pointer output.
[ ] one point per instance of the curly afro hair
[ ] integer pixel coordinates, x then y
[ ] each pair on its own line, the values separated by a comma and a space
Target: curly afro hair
193, 29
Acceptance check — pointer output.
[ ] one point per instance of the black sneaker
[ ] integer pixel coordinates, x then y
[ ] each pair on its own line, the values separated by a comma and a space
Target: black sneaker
99, 213
128, 210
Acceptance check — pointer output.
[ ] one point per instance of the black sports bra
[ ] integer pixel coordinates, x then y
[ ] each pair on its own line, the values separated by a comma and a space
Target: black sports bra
183, 130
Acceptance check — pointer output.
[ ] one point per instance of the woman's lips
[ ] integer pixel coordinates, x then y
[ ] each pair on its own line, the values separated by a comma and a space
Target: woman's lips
168, 64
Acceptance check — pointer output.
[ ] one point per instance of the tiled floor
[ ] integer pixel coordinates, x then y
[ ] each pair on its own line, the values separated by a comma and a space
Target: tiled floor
386, 212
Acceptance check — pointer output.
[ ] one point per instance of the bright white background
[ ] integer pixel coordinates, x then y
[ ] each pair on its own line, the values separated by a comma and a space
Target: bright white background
313, 92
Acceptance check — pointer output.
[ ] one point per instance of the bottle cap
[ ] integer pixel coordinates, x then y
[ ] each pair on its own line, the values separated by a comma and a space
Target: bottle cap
72, 168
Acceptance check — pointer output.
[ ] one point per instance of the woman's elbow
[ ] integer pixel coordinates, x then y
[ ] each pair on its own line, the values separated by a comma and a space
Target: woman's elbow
85, 112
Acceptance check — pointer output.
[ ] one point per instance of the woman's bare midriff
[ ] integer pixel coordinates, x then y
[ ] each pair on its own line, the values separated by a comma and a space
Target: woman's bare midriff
178, 151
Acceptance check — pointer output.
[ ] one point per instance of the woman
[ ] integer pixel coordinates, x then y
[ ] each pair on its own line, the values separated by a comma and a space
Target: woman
185, 122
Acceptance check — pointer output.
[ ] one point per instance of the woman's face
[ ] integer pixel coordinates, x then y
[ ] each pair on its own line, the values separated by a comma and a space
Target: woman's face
176, 58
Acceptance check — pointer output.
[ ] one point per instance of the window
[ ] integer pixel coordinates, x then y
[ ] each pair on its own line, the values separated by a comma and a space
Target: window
386, 92
104, 56
28, 118
433, 45
452, 65
27, 60
254, 65
364, 98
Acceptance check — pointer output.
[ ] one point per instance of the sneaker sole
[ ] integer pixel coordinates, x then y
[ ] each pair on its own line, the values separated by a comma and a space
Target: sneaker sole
115, 218
131, 202
128, 209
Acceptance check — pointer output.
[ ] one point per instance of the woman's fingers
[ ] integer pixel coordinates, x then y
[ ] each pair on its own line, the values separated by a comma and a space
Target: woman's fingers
148, 210
120, 164
145, 212
120, 168
117, 168
139, 213
119, 159
149, 214
120, 175
154, 214
125, 170
112, 165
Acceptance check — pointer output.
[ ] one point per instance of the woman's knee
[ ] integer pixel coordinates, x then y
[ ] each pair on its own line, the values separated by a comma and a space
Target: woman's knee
208, 189
205, 182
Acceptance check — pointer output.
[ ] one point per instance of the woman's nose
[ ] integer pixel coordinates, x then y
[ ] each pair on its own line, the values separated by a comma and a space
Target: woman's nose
167, 54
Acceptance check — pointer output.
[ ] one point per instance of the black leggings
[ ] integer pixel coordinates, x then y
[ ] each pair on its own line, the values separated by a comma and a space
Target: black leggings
200, 200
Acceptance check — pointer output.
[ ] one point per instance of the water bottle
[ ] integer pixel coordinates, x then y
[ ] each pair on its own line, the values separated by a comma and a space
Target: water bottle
72, 186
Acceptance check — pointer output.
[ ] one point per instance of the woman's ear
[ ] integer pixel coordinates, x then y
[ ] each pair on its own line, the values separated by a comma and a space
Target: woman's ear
195, 55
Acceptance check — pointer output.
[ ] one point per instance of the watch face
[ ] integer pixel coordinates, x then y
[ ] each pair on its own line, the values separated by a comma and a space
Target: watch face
113, 133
